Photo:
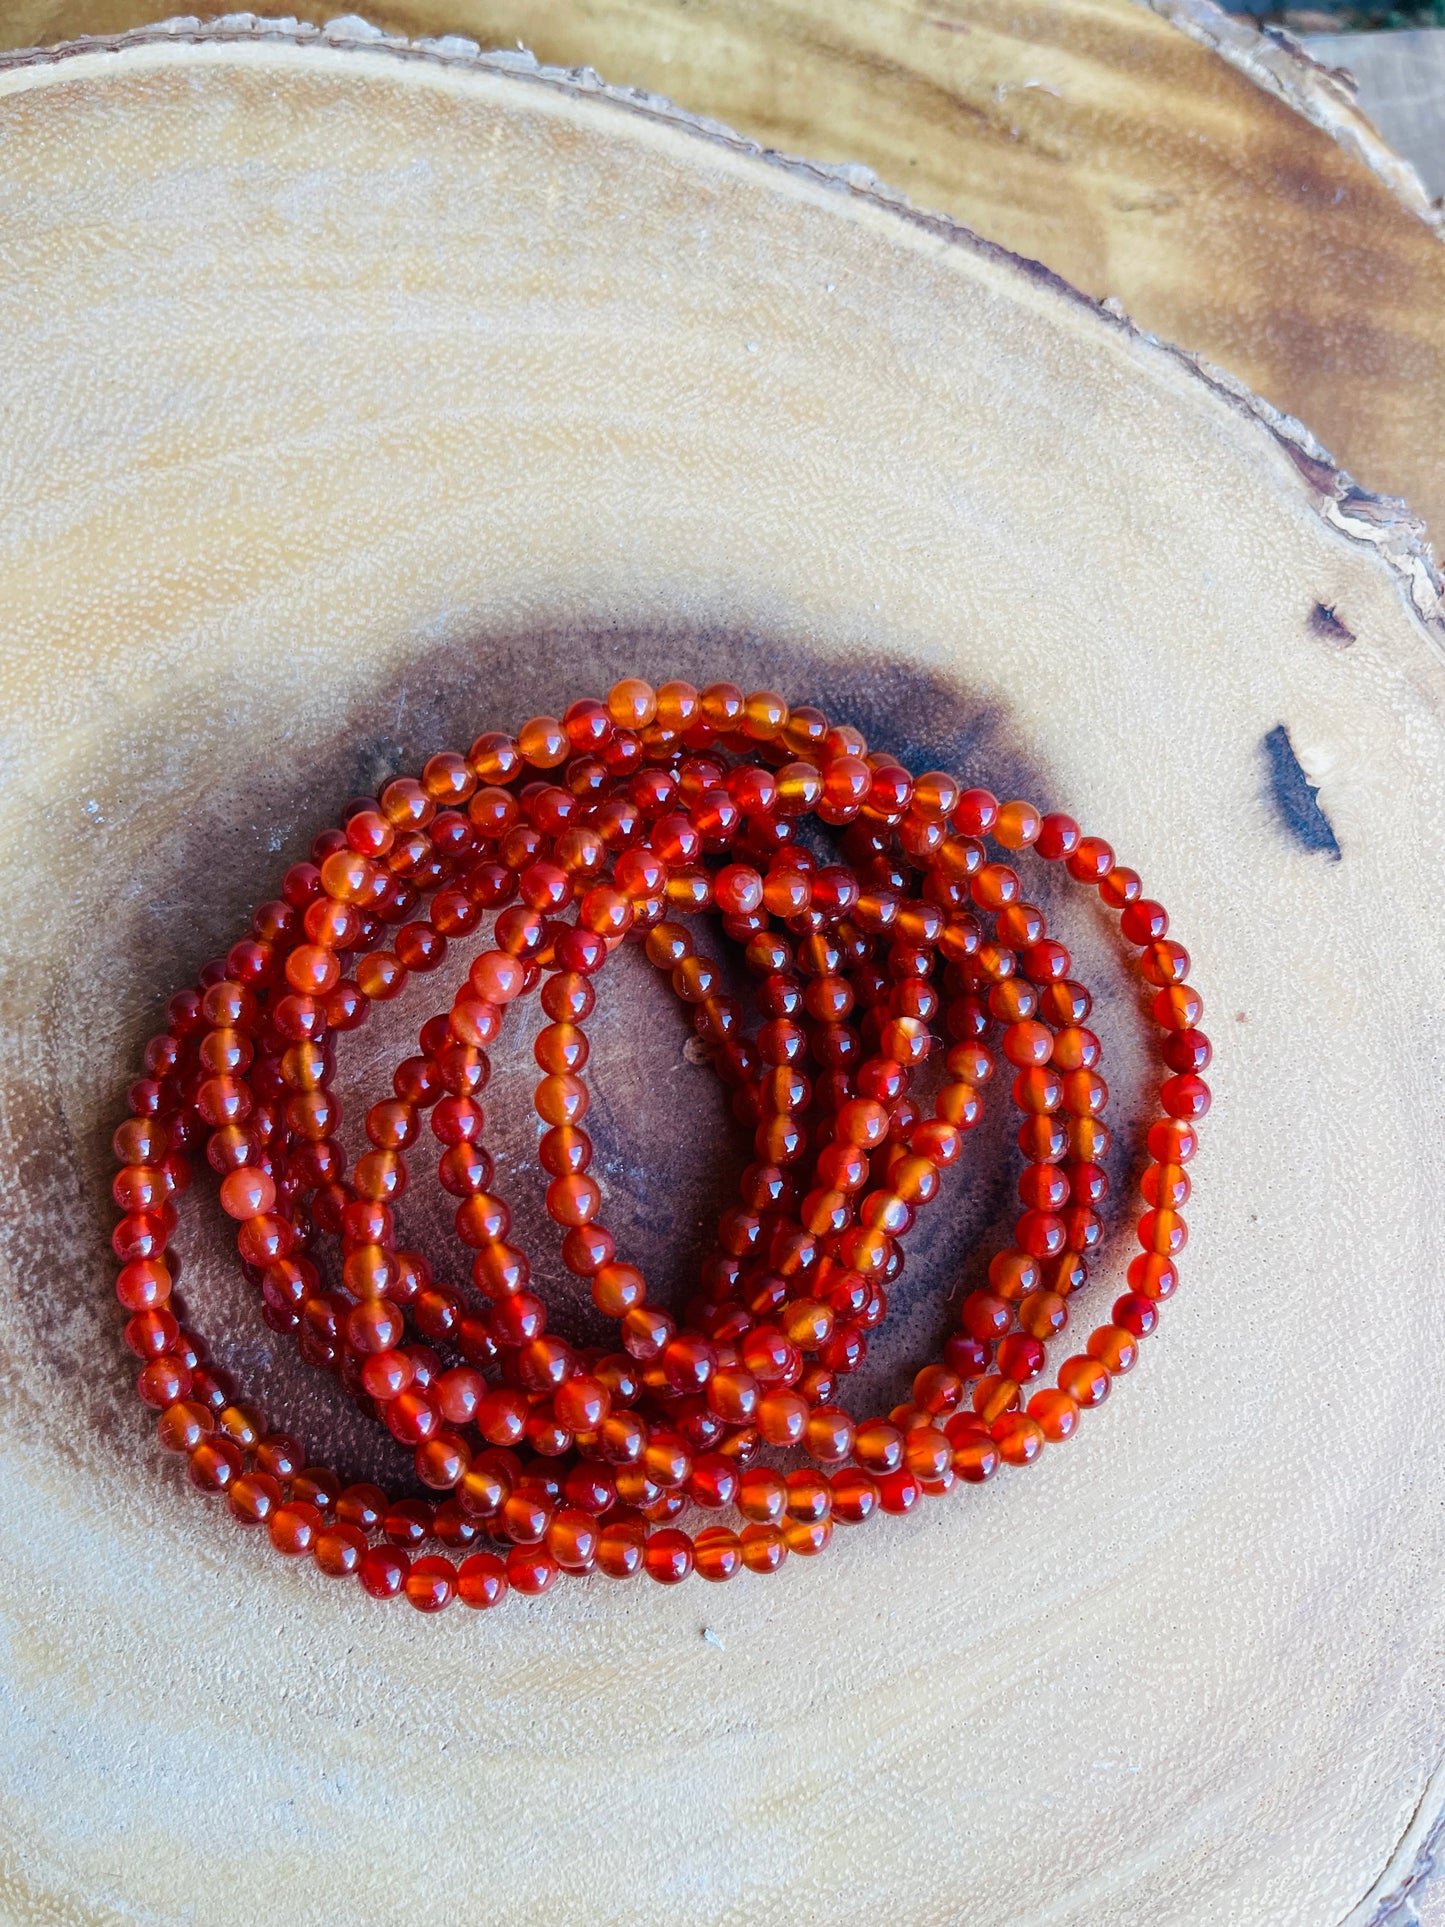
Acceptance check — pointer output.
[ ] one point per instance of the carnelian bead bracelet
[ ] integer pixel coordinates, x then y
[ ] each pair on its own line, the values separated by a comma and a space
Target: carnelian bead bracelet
618, 825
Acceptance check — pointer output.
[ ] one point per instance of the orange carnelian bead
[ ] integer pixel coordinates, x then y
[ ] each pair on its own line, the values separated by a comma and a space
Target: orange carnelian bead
1021, 1356
294, 1527
441, 1460
381, 976
713, 1481
678, 706
253, 1498
994, 885
993, 1396
542, 742
1084, 1379
447, 779
878, 1446
1115, 1348
339, 1550
1055, 1412
1013, 1274
762, 1494
1172, 1141
764, 1547
975, 1456
959, 1104
810, 1495
764, 716
636, 1487
985, 1316
561, 1099
899, 1491
1020, 1439
1153, 1276
572, 1539
431, 1585
620, 1550
809, 1537
1185, 1096
855, 1495
668, 1556
1014, 1000
182, 1426
1165, 1186
734, 1395
1043, 1314
215, 1463
829, 1434
383, 1571
937, 1389
722, 705
582, 1403
927, 1453
1017, 825
279, 1455
807, 1323
1178, 1007
717, 1554
1029, 1043
574, 1200
632, 704
782, 1418
800, 789
240, 1424
1092, 860
1039, 1089
363, 1506
531, 1570
1084, 1093
1121, 886
1164, 1232
142, 1283
1088, 1139
975, 812
482, 1581
163, 1381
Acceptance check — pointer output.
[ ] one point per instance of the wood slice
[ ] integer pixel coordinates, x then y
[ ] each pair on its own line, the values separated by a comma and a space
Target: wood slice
357, 400
1214, 180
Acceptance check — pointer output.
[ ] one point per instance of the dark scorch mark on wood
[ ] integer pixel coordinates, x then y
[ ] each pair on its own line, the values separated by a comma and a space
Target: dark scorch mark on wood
1295, 797
1326, 624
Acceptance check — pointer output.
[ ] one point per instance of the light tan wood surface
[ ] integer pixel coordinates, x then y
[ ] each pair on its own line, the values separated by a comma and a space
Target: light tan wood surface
1211, 179
358, 400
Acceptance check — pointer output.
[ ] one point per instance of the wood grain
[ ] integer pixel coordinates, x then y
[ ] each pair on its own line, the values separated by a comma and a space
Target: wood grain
1175, 167
357, 400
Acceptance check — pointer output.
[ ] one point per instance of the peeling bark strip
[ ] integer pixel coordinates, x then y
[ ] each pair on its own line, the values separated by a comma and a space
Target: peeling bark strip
1295, 797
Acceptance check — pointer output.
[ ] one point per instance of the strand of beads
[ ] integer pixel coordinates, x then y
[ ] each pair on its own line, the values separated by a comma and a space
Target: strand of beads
614, 827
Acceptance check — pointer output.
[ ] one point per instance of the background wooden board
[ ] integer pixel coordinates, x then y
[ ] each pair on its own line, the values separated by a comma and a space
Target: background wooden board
1401, 80
1169, 166
324, 454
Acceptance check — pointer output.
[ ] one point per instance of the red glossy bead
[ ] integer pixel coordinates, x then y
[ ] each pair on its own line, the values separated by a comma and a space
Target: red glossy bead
482, 1581
383, 1571
431, 1585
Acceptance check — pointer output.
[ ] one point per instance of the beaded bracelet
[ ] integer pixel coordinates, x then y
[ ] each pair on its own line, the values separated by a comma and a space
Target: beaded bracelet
615, 826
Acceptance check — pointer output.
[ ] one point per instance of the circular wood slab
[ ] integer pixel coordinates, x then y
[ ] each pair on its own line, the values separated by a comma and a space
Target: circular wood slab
1210, 177
356, 400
